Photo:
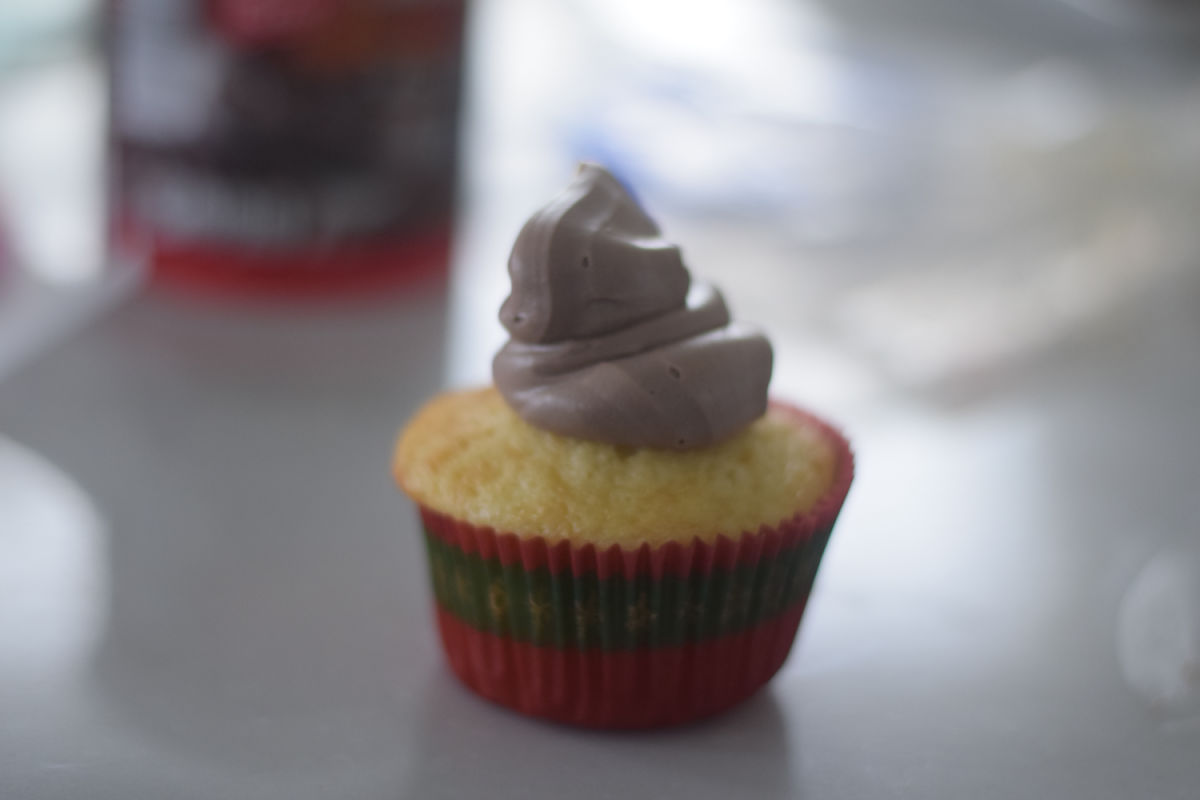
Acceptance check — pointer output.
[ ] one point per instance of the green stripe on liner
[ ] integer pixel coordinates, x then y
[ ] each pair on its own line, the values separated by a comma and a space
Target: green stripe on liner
584, 612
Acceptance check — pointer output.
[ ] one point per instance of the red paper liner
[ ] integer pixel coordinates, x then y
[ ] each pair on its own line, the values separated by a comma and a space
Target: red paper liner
627, 638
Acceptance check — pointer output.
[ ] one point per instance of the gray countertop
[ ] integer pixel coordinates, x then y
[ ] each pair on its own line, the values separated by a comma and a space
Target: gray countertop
211, 588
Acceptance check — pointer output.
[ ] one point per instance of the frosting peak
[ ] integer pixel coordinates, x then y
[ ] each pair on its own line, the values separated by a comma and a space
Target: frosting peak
611, 341
590, 262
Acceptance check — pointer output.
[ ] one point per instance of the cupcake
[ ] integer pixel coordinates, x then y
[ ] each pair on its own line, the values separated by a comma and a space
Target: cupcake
623, 531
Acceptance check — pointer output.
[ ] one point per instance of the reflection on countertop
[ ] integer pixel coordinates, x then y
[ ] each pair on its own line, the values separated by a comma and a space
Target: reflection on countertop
53, 581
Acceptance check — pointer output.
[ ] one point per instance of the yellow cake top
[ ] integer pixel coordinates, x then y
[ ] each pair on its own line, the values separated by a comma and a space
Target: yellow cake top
467, 454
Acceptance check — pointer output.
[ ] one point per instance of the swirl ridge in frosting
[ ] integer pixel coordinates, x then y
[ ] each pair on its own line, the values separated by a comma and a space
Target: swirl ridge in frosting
611, 340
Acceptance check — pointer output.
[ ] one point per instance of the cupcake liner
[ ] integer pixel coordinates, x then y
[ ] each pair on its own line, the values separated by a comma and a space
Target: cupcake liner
625, 638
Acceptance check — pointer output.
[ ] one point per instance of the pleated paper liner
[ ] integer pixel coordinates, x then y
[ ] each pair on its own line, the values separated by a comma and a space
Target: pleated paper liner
626, 638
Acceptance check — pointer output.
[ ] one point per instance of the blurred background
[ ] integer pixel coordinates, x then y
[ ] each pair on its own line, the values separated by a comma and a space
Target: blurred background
242, 240
936, 192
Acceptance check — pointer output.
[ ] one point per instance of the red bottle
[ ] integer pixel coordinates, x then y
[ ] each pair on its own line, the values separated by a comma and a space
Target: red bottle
285, 146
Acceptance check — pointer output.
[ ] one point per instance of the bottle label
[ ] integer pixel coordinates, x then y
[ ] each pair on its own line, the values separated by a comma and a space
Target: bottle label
285, 124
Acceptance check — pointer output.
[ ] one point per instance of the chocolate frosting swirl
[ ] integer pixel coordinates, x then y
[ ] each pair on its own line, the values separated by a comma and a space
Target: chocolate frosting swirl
611, 341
